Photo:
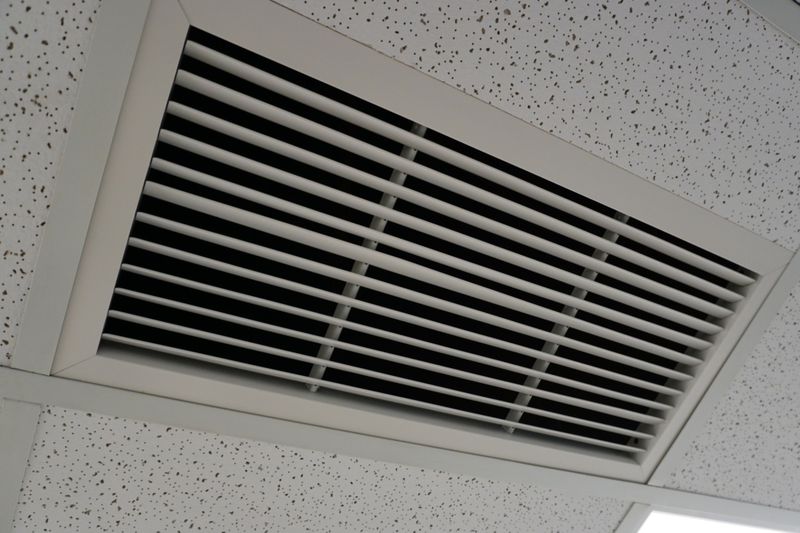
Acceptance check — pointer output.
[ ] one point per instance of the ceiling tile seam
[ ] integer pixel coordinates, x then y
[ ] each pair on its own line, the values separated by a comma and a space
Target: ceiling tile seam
788, 280
86, 397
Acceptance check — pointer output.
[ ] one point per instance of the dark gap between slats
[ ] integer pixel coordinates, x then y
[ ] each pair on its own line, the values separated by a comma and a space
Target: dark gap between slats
405, 391
664, 280
434, 357
663, 235
499, 216
622, 349
471, 278
627, 243
233, 230
606, 364
242, 259
577, 429
444, 317
444, 339
647, 295
217, 349
638, 313
431, 289
256, 92
274, 159
250, 206
216, 278
492, 238
212, 325
296, 77
472, 256
604, 383
631, 332
509, 194
524, 175
206, 300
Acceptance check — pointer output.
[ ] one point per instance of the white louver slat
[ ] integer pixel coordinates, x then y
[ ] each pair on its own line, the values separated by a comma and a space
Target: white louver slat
293, 231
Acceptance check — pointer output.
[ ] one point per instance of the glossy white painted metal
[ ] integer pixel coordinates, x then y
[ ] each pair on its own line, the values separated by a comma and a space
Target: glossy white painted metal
382, 311
423, 200
560, 329
375, 395
394, 290
317, 131
385, 129
378, 354
18, 420
350, 290
727, 342
383, 213
372, 256
345, 324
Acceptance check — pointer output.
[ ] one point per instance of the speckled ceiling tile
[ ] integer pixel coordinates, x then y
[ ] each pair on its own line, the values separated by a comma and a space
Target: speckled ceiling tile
699, 97
91, 472
750, 449
42, 53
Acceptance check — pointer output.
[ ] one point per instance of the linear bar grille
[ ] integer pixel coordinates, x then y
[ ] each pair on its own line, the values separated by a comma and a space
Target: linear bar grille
292, 230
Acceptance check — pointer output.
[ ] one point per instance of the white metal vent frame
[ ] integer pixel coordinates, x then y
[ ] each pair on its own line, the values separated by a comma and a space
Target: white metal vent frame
323, 54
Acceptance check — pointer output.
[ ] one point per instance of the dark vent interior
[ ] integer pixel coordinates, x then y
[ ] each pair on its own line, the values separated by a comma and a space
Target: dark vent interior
395, 263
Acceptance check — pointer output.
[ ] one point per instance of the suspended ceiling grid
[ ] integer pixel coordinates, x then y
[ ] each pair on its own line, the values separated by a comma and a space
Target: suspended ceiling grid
89, 471
750, 449
704, 106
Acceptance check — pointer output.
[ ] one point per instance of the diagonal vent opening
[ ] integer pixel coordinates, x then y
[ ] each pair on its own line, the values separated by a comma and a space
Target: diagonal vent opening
292, 230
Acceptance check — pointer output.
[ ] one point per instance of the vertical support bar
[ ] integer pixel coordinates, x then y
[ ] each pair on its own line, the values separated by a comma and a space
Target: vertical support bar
18, 421
560, 329
359, 267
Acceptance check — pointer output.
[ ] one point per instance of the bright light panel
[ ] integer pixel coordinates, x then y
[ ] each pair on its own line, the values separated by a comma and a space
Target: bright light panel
660, 522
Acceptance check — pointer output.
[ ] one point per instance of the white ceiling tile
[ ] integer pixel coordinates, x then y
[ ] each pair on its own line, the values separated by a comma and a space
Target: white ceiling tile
93, 472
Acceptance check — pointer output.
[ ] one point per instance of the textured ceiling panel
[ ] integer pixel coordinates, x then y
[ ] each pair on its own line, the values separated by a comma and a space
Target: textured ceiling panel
750, 449
42, 53
702, 98
93, 472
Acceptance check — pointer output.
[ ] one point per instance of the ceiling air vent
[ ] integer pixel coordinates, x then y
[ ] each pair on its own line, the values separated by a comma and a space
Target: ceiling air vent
438, 272
289, 229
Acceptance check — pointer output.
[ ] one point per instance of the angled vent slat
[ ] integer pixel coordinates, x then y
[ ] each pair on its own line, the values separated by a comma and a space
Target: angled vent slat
320, 102
389, 335
207, 206
455, 212
368, 151
401, 292
614, 411
488, 341
388, 214
291, 230
383, 213
344, 388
